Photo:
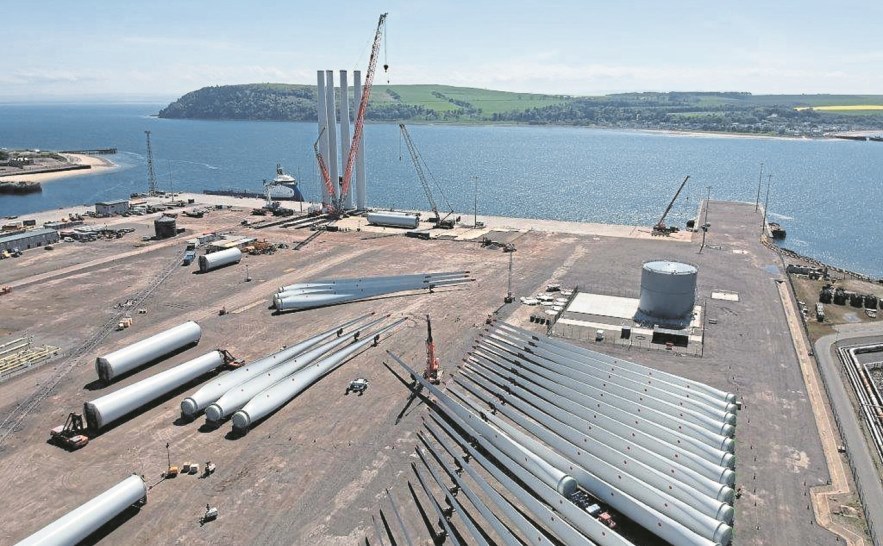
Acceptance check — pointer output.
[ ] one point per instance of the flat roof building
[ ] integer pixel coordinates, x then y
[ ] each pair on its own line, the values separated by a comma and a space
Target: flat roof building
29, 239
109, 208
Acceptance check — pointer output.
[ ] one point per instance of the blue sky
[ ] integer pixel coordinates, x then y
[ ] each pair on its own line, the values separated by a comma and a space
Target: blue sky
161, 49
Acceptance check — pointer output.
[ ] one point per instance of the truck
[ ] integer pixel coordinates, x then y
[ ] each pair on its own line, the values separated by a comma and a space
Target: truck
189, 256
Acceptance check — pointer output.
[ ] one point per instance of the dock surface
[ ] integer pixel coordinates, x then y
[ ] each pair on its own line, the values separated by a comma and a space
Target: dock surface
316, 471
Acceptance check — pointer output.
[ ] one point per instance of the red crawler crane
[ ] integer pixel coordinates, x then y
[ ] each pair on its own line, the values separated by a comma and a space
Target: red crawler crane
432, 373
336, 208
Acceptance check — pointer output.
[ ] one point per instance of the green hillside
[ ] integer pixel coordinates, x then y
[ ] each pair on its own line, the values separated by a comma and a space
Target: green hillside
732, 112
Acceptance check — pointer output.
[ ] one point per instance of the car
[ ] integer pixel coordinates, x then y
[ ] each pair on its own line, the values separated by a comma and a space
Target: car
359, 385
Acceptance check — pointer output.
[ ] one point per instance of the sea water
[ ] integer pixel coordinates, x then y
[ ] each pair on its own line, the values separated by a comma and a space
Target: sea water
827, 194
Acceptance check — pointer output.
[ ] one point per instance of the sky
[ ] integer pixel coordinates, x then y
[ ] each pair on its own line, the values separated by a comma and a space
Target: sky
161, 49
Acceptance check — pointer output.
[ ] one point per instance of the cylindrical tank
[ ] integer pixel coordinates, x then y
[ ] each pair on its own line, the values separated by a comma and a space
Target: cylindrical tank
393, 219
111, 407
668, 290
146, 350
165, 227
219, 259
81, 522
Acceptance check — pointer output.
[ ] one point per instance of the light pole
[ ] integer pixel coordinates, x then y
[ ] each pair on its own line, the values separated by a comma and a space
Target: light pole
475, 218
705, 222
759, 179
766, 205
247, 278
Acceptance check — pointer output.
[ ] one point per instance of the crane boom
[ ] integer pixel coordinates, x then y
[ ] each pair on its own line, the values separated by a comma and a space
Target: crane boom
660, 225
363, 106
416, 159
326, 176
431, 373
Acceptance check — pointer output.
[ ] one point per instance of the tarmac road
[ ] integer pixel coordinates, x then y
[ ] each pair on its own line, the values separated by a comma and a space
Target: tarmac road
859, 452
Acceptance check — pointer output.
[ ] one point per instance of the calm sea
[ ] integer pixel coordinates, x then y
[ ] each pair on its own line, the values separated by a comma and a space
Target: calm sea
828, 194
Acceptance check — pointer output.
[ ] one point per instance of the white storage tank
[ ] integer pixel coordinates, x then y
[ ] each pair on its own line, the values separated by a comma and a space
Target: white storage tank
668, 290
147, 350
219, 259
394, 219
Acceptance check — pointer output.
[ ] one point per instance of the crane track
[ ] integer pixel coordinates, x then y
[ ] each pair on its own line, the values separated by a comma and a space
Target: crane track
13, 421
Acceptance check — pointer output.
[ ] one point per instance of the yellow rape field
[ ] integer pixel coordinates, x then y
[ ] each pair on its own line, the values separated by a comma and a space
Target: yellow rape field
843, 108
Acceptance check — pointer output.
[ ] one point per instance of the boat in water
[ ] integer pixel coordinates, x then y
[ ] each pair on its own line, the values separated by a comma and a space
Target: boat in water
282, 188
777, 231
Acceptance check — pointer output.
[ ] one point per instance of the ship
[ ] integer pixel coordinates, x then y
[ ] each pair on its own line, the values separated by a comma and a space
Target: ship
282, 188
776, 231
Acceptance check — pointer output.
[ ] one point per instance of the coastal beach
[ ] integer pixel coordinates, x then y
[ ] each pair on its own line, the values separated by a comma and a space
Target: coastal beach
98, 165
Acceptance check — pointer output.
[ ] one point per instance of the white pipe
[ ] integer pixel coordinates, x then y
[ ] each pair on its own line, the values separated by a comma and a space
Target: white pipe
583, 373
282, 392
207, 262
334, 282
310, 301
590, 453
582, 357
649, 372
322, 113
216, 388
554, 477
361, 195
705, 526
331, 113
81, 522
713, 406
345, 133
613, 406
147, 350
239, 395
670, 445
637, 398
117, 404
341, 287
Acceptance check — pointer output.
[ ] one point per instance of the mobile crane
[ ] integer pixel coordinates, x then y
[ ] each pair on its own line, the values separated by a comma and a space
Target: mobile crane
432, 373
440, 222
660, 228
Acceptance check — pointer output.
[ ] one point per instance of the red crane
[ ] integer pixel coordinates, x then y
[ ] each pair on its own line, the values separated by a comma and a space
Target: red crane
431, 373
360, 116
326, 176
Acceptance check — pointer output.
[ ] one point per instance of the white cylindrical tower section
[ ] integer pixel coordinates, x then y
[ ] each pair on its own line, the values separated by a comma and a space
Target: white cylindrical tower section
668, 290
345, 135
322, 114
84, 520
361, 195
331, 113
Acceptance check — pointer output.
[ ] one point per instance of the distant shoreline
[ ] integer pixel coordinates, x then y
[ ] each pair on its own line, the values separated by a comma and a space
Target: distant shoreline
97, 165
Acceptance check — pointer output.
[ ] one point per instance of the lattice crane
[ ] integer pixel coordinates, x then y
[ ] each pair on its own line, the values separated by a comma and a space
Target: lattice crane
421, 175
151, 174
360, 115
660, 228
